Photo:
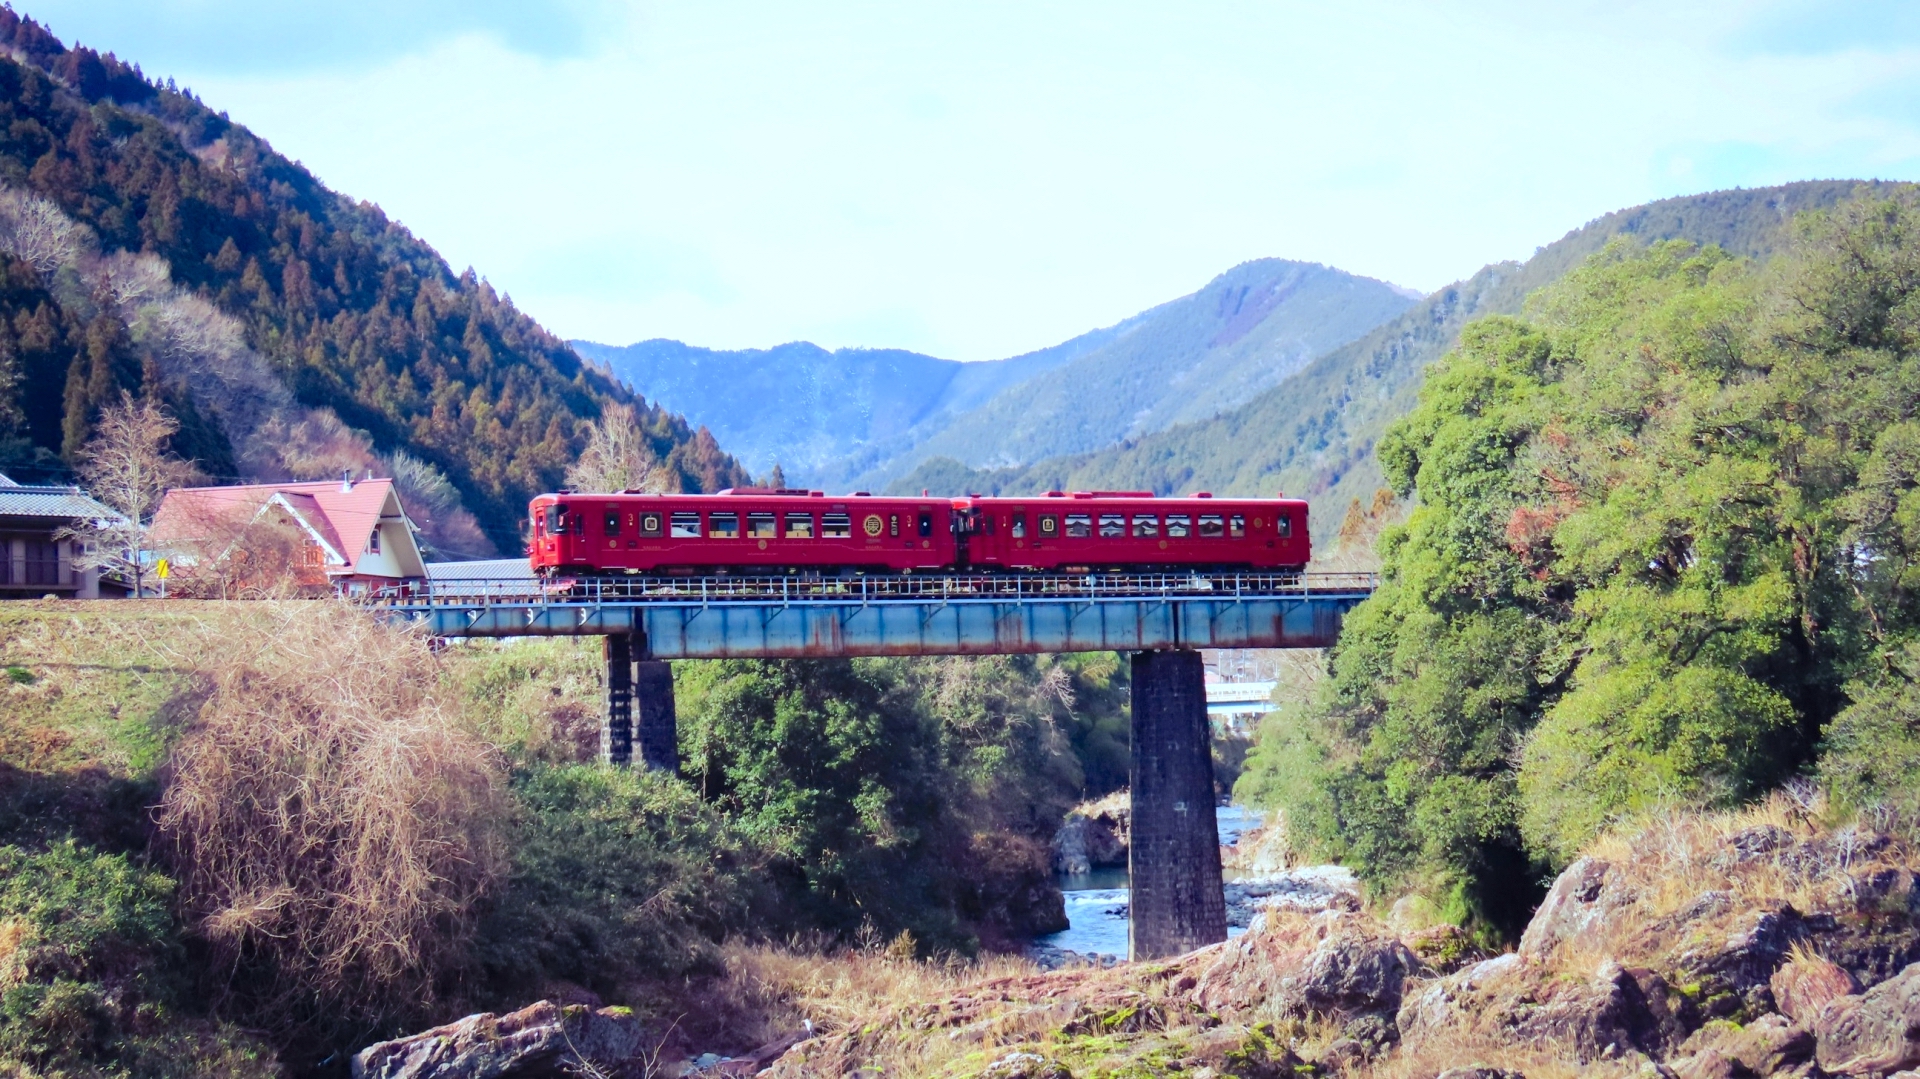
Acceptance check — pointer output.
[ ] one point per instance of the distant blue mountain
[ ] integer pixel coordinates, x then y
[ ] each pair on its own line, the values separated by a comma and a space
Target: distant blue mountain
860, 417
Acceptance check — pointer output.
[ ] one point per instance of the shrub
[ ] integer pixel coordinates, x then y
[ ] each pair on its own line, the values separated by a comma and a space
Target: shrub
1871, 758
331, 826
618, 876
77, 930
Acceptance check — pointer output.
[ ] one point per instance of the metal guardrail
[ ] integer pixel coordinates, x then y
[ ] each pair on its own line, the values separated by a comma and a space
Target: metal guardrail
948, 588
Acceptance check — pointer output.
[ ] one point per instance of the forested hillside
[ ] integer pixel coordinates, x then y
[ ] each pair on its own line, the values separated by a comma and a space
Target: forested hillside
1662, 553
1314, 433
154, 247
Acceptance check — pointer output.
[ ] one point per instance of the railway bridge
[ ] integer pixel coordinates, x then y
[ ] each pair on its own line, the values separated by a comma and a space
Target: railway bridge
1161, 619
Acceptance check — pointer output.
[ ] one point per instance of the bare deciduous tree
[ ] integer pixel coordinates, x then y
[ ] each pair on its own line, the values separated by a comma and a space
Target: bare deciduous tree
618, 458
127, 466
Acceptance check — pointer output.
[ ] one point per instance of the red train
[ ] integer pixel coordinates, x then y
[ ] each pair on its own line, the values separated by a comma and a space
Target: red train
762, 531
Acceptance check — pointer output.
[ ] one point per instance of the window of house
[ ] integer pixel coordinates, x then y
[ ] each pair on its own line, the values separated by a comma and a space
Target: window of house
799, 526
1049, 526
613, 522
926, 524
1179, 526
723, 525
1113, 525
652, 523
373, 541
1145, 526
1237, 526
43, 562
1285, 524
1019, 526
760, 526
1211, 526
836, 526
686, 525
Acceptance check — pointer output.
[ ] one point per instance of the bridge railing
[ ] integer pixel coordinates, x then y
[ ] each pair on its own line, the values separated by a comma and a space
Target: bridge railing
525, 591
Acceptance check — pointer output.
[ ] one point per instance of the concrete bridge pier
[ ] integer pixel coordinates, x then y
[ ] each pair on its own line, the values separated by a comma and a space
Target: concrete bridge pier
656, 725
639, 706
1174, 858
617, 735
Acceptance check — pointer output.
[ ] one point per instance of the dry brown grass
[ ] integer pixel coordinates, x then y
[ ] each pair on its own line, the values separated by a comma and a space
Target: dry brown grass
330, 822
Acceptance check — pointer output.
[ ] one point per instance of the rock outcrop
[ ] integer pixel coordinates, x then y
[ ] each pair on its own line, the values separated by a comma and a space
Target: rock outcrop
540, 1041
1873, 1033
1334, 965
1094, 836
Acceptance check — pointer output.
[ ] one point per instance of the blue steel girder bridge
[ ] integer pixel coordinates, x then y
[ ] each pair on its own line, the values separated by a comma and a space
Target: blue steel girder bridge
1162, 619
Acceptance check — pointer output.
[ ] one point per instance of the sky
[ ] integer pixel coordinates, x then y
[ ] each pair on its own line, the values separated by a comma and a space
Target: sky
981, 179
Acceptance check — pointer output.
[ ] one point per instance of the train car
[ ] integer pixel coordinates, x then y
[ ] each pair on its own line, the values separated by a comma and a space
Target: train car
739, 531
1135, 532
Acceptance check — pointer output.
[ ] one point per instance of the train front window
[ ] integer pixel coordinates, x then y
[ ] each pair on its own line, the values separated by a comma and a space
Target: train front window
1145, 526
760, 526
723, 525
836, 526
1211, 526
686, 526
1285, 523
1237, 527
1113, 525
799, 526
1019, 526
1179, 526
613, 522
560, 519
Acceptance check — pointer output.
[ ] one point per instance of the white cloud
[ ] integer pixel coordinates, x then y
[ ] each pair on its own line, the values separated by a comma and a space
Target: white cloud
983, 179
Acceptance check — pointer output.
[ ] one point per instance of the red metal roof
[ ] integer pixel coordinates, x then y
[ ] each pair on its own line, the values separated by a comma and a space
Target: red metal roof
341, 515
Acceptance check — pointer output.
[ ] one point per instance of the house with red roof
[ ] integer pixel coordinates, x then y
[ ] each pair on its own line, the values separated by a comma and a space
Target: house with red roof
349, 536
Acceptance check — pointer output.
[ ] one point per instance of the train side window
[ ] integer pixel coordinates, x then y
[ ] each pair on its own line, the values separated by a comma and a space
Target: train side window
836, 526
613, 522
1179, 526
1079, 526
1211, 527
723, 525
893, 525
799, 526
1236, 527
686, 526
1113, 525
990, 524
1285, 523
760, 526
1049, 526
653, 523
560, 519
1145, 526
1019, 526
926, 524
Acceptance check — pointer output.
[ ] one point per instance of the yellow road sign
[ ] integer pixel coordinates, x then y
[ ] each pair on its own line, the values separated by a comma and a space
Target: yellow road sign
162, 570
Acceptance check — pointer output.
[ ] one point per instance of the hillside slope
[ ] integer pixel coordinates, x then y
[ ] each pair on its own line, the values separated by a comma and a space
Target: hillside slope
154, 247
1313, 434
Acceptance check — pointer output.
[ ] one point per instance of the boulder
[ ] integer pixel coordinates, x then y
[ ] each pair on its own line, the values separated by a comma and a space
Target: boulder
1767, 1046
541, 1041
1479, 1071
1875, 1032
1803, 987
1335, 964
1092, 837
1520, 1002
1587, 894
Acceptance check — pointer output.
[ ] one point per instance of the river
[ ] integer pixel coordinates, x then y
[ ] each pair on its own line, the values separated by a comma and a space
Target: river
1097, 901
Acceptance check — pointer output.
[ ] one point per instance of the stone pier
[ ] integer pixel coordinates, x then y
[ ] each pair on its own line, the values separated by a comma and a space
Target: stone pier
1174, 857
618, 741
